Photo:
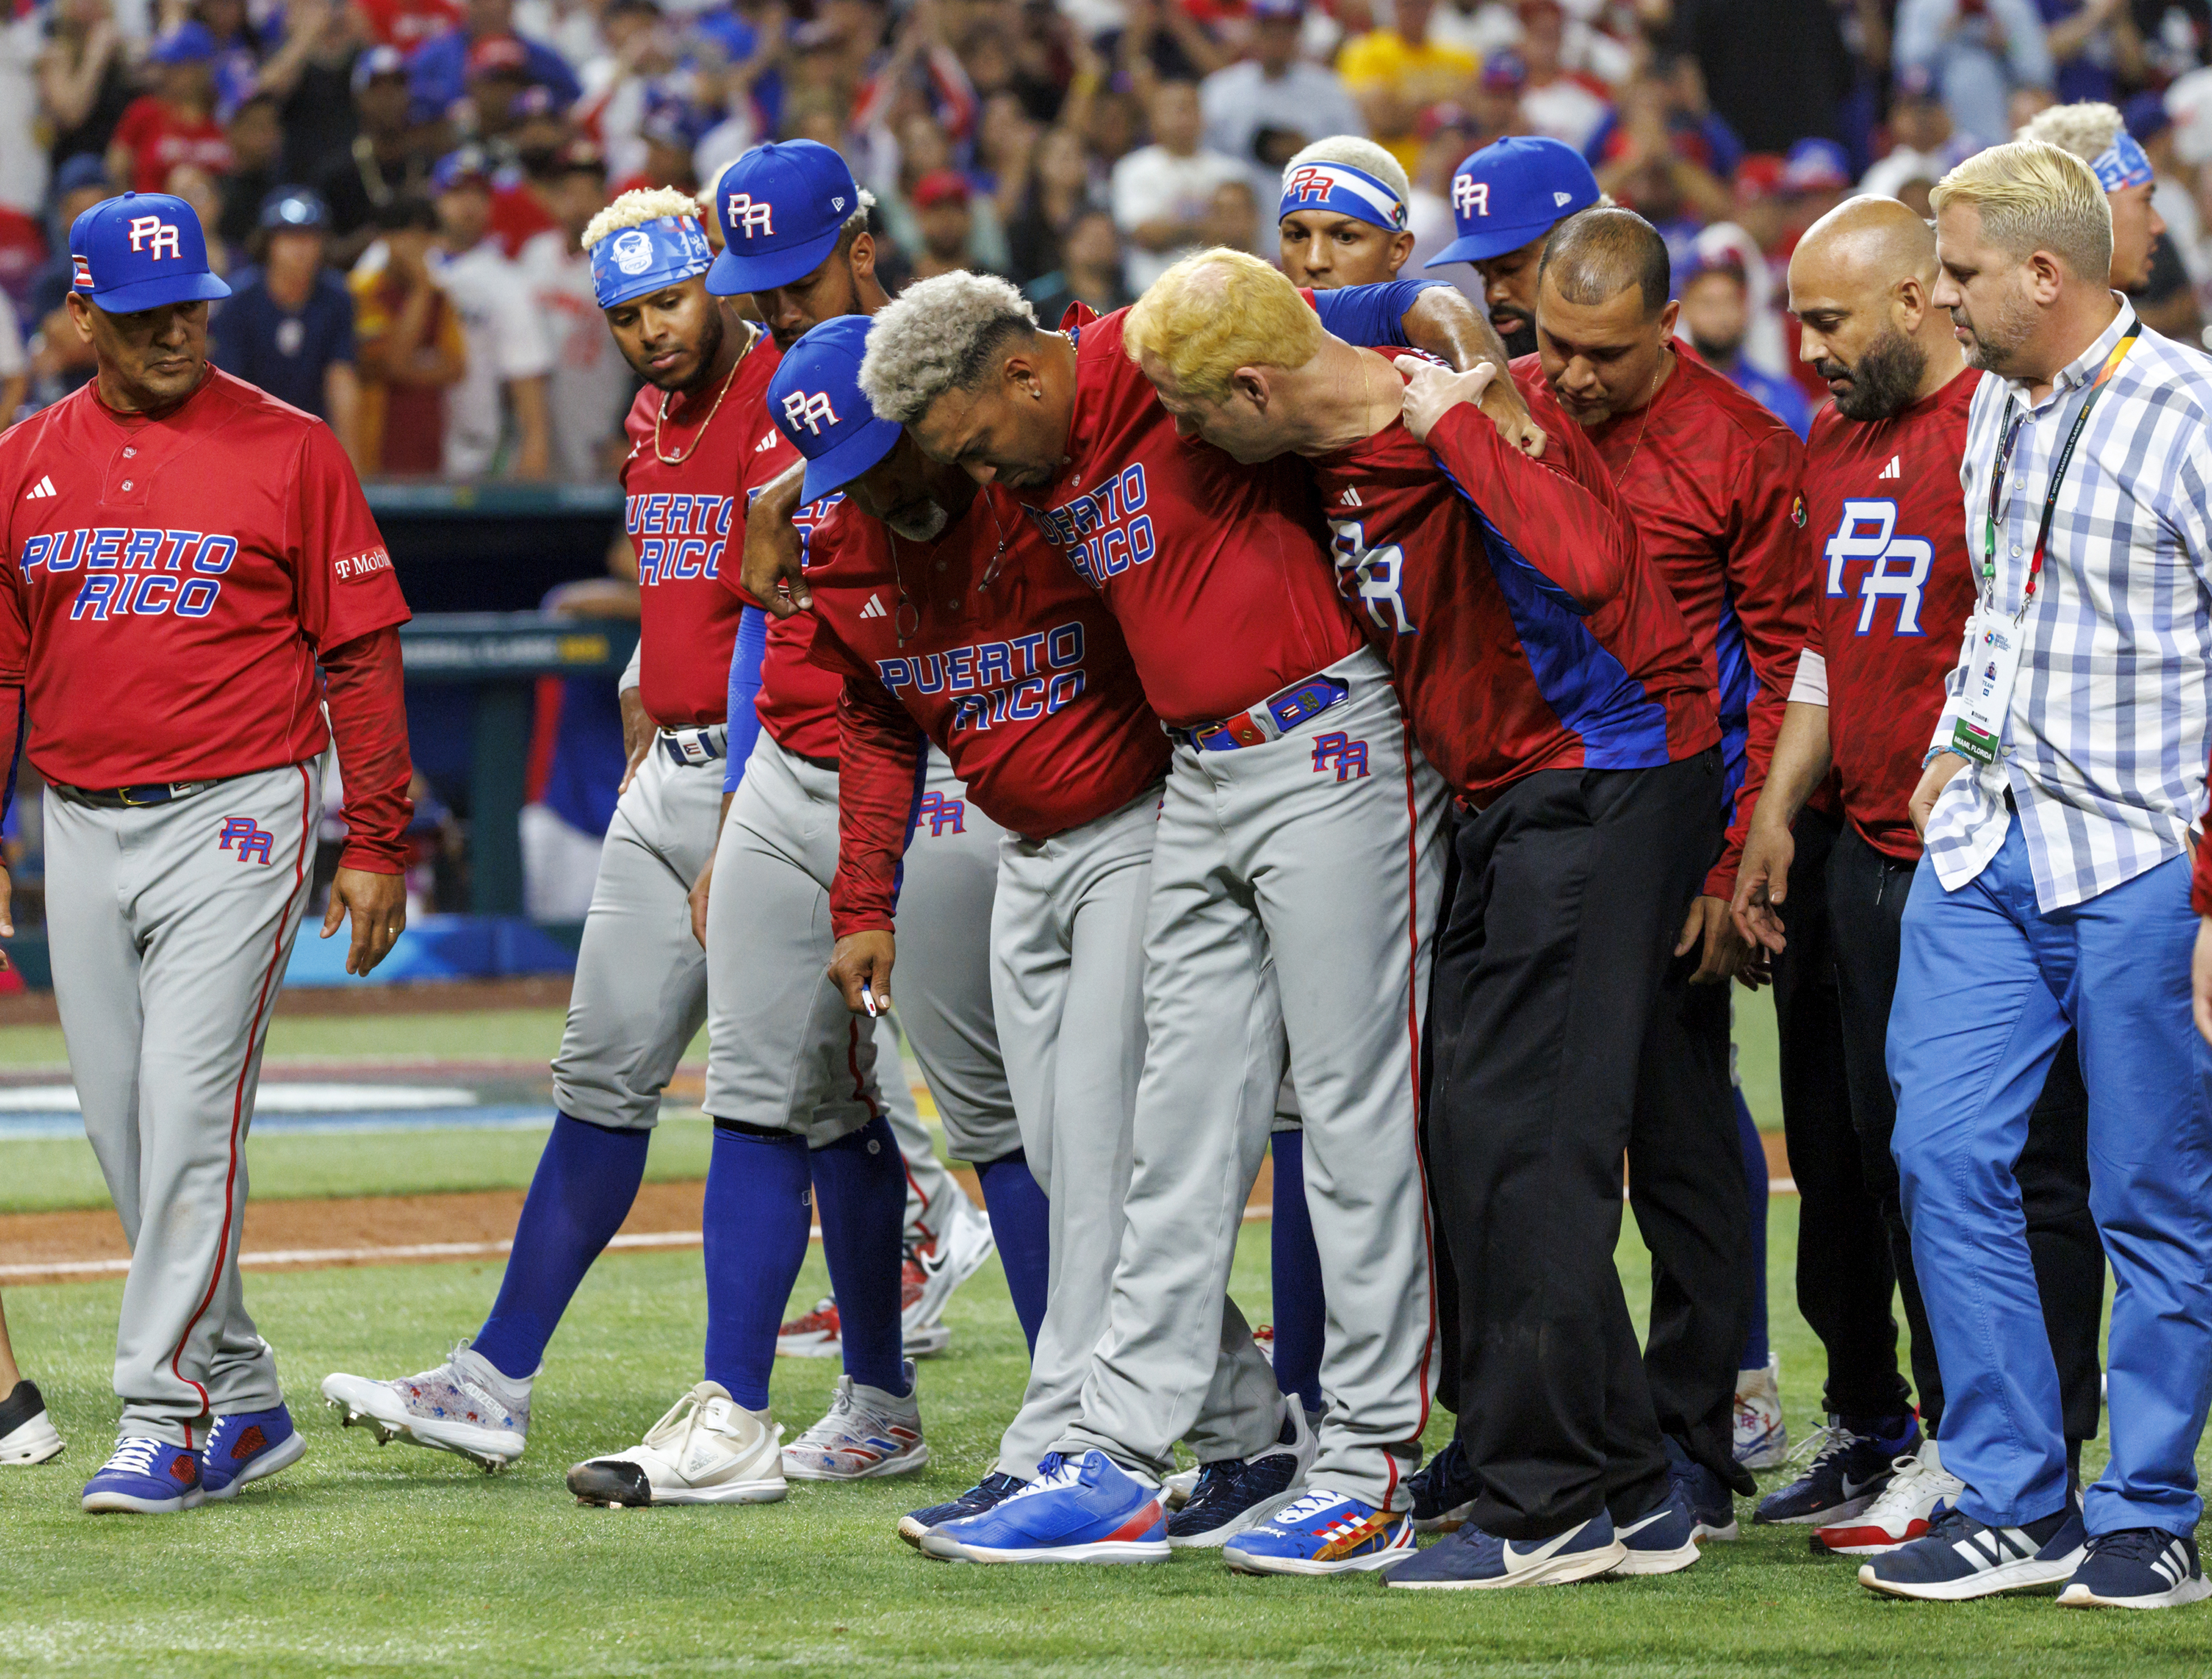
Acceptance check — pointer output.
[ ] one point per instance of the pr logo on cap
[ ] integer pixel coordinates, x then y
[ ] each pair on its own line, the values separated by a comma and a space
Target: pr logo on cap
802, 408
162, 233
1469, 196
749, 216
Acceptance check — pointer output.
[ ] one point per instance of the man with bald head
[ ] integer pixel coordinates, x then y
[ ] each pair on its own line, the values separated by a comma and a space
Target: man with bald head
1711, 479
1881, 495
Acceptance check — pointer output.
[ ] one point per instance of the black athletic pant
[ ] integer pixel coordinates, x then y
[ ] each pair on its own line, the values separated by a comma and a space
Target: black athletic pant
1866, 905
1573, 886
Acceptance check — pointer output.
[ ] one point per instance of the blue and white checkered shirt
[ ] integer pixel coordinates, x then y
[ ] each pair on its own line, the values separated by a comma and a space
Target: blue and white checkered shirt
2111, 715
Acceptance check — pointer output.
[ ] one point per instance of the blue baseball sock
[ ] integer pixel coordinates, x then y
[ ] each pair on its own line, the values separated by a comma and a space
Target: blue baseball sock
580, 1193
1021, 1225
1755, 1349
1301, 1305
754, 1220
860, 1184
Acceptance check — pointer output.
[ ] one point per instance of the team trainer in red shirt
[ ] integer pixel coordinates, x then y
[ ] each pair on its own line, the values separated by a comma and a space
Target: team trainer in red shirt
1897, 583
179, 553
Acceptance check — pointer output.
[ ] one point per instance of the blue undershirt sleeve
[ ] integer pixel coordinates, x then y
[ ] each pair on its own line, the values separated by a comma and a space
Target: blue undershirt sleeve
743, 715
1370, 315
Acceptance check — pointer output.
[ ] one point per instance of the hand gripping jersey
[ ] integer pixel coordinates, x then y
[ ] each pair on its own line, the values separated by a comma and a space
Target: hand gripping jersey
1215, 571
1525, 630
169, 582
1712, 481
1896, 585
985, 642
686, 516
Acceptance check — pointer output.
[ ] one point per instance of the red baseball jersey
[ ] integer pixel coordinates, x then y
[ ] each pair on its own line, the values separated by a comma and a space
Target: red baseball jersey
985, 642
165, 585
686, 485
1524, 627
1215, 571
1896, 587
1712, 481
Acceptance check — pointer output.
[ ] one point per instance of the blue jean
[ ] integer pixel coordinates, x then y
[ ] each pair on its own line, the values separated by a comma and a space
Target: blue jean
1987, 987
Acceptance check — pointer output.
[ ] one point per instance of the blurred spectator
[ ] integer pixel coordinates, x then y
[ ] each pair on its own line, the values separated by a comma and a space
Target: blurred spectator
79, 183
1975, 52
1777, 71
576, 753
197, 187
1275, 88
1921, 146
946, 222
2093, 44
1165, 39
318, 108
637, 49
383, 163
408, 343
591, 385
1060, 189
256, 139
1493, 110
407, 24
22, 254
1453, 134
1715, 316
1091, 273
1558, 99
1161, 192
84, 79
438, 72
175, 124
1395, 72
15, 365
522, 186
24, 165
495, 417
924, 151
1232, 218
1664, 161
288, 324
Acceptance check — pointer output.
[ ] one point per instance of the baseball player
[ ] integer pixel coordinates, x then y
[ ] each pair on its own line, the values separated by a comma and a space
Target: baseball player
1506, 198
1299, 828
946, 612
1881, 495
1547, 671
180, 552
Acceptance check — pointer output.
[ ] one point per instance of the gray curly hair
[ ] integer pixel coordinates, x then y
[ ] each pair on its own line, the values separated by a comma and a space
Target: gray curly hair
937, 336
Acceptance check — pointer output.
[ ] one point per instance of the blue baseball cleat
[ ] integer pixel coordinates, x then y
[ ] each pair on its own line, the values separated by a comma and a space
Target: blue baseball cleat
249, 1446
148, 1476
1078, 1509
1474, 1561
989, 1494
1322, 1533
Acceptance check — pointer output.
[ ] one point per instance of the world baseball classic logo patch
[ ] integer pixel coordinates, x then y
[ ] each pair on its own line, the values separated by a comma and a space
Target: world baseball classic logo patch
253, 840
1347, 757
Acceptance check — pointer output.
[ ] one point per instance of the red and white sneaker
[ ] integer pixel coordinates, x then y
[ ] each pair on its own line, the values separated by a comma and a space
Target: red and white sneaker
1263, 1337
814, 1336
1899, 1514
868, 1433
820, 1335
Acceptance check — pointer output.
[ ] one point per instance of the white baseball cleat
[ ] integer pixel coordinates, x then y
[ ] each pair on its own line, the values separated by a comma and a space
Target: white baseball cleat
26, 1433
868, 1433
1762, 1438
709, 1449
958, 1254
1176, 1490
463, 1406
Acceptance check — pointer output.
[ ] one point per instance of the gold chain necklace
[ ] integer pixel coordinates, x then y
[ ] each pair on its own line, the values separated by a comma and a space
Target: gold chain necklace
1621, 476
700, 436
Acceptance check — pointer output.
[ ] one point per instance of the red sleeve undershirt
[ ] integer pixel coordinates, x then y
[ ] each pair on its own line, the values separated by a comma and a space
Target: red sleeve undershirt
368, 716
880, 758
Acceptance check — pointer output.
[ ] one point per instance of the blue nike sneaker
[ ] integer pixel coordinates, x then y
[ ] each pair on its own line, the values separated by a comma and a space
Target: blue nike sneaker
2138, 1567
993, 1490
250, 1446
1473, 1560
1710, 1500
1848, 1469
1664, 1542
1322, 1533
1080, 1510
1444, 1490
148, 1476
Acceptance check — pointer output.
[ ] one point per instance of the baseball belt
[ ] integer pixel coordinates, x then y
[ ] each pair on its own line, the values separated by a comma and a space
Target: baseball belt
133, 798
1270, 721
701, 745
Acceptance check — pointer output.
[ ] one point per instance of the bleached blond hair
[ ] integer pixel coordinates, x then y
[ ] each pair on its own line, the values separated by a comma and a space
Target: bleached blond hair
2085, 129
2034, 197
1218, 311
637, 207
942, 334
1363, 155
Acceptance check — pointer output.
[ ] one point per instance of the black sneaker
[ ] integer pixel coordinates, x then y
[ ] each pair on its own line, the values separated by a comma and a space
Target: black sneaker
27, 1435
987, 1493
1234, 1494
1445, 1491
1848, 1471
2138, 1567
1961, 1558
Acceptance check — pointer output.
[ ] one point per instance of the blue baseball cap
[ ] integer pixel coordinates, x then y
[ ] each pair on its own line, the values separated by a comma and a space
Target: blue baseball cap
140, 251
463, 163
782, 207
633, 261
1513, 191
378, 61
189, 43
815, 401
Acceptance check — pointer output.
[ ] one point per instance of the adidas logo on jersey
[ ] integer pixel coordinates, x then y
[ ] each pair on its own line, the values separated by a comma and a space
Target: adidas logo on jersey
1351, 499
874, 608
1893, 471
42, 490
768, 442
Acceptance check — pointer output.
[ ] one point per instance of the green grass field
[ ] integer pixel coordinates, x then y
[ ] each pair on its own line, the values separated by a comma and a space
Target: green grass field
365, 1561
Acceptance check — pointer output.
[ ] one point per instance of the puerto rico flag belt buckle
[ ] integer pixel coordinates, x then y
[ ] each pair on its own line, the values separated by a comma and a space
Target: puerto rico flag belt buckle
1273, 717
695, 746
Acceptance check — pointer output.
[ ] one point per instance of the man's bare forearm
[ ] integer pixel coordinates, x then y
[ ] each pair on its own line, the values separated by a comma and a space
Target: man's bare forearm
1800, 763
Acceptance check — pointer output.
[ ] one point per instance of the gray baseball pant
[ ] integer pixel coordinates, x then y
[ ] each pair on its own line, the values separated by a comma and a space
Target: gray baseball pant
171, 926
1321, 850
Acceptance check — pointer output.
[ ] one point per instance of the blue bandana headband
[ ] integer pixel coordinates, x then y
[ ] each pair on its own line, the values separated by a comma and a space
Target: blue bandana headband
1341, 190
664, 251
2122, 164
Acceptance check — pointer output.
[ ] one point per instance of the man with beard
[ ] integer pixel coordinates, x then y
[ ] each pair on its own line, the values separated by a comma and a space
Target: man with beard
1506, 199
1881, 500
